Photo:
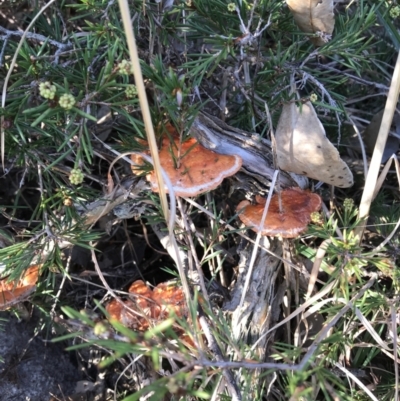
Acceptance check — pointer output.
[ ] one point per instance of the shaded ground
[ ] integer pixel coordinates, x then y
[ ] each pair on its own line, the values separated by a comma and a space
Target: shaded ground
32, 368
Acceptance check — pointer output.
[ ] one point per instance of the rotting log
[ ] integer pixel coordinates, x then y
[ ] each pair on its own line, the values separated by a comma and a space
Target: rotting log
255, 151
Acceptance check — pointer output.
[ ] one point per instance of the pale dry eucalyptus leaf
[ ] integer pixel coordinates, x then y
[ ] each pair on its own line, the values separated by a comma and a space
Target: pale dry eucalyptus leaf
313, 16
303, 148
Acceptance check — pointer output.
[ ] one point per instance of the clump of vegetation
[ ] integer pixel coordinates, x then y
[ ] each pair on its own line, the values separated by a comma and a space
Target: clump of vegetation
262, 318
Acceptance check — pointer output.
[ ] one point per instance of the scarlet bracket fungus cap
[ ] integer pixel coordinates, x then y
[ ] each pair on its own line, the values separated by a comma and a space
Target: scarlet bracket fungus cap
297, 206
200, 170
12, 294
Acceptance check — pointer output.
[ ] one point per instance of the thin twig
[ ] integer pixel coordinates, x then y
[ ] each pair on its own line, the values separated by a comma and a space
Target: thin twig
5, 42
36, 36
61, 287
230, 379
355, 78
193, 252
323, 333
364, 156
357, 380
305, 77
394, 328
108, 288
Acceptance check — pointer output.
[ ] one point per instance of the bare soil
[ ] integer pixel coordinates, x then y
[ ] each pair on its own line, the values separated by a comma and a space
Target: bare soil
33, 368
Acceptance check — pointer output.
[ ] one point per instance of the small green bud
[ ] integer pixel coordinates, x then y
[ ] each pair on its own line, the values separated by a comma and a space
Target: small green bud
316, 218
313, 98
231, 7
125, 67
394, 12
131, 91
101, 329
348, 204
47, 90
76, 176
67, 101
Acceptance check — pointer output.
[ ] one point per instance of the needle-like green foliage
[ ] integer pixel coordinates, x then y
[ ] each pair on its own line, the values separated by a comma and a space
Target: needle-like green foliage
72, 90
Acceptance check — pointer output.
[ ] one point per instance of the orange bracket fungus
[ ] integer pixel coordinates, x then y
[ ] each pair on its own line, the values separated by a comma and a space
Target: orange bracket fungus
12, 294
148, 305
191, 168
292, 220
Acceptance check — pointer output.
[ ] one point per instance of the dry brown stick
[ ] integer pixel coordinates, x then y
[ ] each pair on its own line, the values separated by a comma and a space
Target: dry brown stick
193, 251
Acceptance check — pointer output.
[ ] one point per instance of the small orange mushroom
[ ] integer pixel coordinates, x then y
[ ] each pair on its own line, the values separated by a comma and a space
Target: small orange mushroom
12, 294
192, 168
292, 220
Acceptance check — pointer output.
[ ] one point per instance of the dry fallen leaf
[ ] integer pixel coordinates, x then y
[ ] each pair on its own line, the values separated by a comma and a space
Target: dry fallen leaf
313, 16
12, 294
303, 148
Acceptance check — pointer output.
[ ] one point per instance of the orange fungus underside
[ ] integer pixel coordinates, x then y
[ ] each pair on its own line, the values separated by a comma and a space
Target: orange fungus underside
148, 306
192, 168
12, 293
297, 207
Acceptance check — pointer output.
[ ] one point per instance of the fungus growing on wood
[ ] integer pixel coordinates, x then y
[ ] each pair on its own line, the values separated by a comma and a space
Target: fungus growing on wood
191, 168
292, 220
12, 294
147, 306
